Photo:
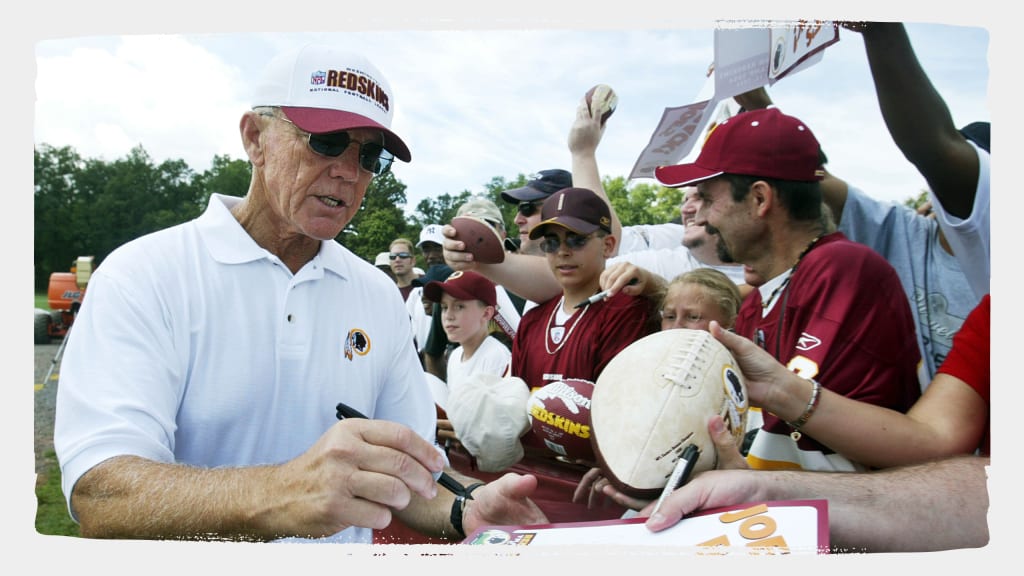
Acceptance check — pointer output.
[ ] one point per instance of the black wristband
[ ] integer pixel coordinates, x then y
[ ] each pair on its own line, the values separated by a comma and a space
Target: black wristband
459, 507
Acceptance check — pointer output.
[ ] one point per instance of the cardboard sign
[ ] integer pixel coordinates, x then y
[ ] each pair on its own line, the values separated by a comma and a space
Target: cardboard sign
746, 58
675, 136
794, 45
779, 527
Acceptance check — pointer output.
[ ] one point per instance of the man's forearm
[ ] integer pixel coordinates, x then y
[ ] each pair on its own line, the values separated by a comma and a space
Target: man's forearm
524, 275
130, 497
941, 505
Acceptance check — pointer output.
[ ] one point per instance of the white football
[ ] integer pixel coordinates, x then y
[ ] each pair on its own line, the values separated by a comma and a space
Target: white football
654, 398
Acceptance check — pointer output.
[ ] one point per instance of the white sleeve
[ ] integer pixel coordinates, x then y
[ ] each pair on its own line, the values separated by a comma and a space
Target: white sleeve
970, 238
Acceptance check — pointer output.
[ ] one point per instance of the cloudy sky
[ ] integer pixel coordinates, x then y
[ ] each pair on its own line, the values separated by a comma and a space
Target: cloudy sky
474, 103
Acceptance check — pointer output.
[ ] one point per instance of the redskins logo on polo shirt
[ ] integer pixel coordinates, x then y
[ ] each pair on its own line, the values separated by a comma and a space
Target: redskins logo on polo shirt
358, 342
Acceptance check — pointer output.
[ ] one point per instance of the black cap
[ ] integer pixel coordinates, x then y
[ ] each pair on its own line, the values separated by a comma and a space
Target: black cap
437, 272
541, 185
979, 133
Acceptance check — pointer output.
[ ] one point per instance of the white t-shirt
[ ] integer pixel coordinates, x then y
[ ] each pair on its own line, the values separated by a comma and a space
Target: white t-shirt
671, 262
650, 237
491, 357
971, 239
418, 317
197, 346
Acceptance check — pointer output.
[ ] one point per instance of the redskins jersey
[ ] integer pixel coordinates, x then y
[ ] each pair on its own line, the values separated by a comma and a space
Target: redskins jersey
543, 352
845, 321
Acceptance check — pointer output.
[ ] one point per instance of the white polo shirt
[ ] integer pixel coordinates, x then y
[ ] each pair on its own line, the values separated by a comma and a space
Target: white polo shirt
197, 346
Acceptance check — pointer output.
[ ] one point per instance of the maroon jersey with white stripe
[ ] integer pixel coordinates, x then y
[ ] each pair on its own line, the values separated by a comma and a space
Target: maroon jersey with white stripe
845, 321
588, 341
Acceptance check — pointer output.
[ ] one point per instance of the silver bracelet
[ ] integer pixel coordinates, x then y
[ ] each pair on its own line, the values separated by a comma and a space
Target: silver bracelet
812, 404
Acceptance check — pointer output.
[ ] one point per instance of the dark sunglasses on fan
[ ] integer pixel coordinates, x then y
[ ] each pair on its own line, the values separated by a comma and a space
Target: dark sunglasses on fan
402, 255
528, 209
550, 243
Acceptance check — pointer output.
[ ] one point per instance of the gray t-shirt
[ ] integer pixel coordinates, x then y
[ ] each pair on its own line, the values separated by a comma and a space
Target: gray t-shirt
940, 295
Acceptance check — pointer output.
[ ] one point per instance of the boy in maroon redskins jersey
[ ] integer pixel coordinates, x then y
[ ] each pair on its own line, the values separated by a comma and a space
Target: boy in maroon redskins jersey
569, 337
831, 310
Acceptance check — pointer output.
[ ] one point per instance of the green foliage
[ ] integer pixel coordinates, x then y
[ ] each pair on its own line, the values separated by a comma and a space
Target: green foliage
642, 203
225, 176
917, 202
380, 219
89, 207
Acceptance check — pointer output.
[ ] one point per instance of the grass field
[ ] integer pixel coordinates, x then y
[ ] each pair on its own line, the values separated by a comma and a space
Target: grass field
52, 513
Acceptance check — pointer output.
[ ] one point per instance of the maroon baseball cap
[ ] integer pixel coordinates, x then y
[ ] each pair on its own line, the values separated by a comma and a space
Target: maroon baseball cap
580, 210
463, 285
764, 143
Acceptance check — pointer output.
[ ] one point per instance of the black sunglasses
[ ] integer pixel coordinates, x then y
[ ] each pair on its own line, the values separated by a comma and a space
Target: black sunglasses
550, 243
402, 255
528, 208
372, 156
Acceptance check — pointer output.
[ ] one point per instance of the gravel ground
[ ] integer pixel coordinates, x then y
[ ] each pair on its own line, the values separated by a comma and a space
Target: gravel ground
45, 396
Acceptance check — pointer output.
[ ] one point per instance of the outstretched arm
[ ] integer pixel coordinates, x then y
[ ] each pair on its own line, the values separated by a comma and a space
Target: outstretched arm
584, 137
938, 505
917, 117
866, 433
351, 476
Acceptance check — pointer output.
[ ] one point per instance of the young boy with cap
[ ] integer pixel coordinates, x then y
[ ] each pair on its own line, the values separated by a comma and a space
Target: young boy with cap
570, 337
489, 410
468, 302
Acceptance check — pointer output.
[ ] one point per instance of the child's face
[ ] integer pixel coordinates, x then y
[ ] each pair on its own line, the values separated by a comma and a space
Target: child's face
463, 319
687, 305
578, 267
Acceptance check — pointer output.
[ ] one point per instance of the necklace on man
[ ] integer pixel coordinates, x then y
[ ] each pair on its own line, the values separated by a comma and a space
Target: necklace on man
557, 333
785, 282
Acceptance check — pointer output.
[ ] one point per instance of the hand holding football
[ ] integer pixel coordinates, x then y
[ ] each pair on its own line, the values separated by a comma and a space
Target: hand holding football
654, 398
601, 100
480, 238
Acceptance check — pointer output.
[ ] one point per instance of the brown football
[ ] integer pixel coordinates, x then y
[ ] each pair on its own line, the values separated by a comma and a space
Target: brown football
481, 239
560, 417
601, 99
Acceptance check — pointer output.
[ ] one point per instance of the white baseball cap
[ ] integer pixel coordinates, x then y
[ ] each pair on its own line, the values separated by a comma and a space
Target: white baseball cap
489, 415
382, 259
431, 233
324, 89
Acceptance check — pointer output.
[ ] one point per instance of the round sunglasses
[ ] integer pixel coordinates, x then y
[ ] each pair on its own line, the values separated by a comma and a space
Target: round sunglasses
550, 243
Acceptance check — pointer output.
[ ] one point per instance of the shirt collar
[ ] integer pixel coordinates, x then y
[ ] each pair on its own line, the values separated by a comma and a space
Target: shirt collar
229, 243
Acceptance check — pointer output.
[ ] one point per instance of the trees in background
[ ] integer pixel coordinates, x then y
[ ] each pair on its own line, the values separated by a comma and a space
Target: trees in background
89, 207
